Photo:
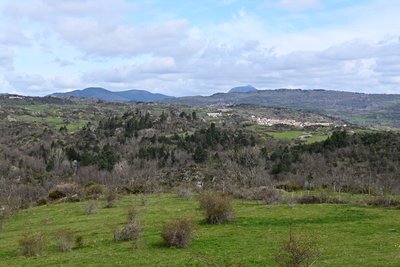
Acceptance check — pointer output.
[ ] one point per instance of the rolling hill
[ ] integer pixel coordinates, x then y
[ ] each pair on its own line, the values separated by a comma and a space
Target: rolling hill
360, 108
111, 96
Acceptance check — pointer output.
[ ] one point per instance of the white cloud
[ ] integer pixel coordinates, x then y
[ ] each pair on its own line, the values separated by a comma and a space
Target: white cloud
64, 45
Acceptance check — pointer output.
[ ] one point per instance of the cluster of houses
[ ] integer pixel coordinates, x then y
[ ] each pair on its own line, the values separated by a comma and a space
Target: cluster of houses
294, 123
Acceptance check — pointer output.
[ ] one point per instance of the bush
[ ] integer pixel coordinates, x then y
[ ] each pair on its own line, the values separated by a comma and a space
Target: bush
218, 207
41, 202
91, 207
383, 201
132, 214
319, 199
143, 199
309, 199
178, 233
94, 190
132, 231
56, 194
31, 244
79, 242
289, 186
65, 239
297, 251
111, 198
269, 195
70, 191
184, 192
4, 215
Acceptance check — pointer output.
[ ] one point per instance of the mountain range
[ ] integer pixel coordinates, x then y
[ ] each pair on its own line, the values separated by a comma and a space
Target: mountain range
358, 108
112, 96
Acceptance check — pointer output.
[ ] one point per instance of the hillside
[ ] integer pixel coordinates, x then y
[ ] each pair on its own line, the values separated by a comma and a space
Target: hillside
252, 239
117, 96
77, 169
10, 99
363, 109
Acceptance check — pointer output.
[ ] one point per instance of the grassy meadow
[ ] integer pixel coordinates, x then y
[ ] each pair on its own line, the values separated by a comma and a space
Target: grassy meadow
347, 235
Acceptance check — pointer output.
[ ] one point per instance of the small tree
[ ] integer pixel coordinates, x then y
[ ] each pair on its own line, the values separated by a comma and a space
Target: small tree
298, 251
31, 244
178, 233
65, 240
218, 207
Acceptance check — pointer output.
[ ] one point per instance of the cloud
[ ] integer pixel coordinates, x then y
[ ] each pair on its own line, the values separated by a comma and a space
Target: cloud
30, 82
219, 67
99, 29
95, 39
48, 45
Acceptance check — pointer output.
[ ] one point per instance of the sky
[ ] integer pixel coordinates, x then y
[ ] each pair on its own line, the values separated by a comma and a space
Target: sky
202, 47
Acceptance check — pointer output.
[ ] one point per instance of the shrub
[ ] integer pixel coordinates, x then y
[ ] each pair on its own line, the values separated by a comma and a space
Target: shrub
269, 195
383, 201
111, 198
184, 192
56, 194
218, 207
298, 251
143, 199
79, 242
4, 215
91, 207
178, 233
309, 199
31, 244
289, 186
65, 239
94, 190
41, 202
132, 214
132, 231
70, 191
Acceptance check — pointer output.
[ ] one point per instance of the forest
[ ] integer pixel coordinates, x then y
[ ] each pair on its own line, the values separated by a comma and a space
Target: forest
155, 148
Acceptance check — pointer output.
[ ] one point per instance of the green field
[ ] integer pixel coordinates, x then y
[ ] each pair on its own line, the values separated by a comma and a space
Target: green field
347, 235
286, 134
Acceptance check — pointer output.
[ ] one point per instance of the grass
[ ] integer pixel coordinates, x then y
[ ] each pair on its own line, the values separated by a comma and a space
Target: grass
287, 134
348, 235
56, 122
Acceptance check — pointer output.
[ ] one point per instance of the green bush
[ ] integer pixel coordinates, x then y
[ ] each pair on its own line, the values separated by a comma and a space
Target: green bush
111, 198
79, 241
41, 202
178, 233
132, 231
95, 190
218, 207
31, 244
91, 207
65, 239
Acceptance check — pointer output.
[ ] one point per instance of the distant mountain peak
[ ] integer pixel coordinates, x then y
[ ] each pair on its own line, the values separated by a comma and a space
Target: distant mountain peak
243, 89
